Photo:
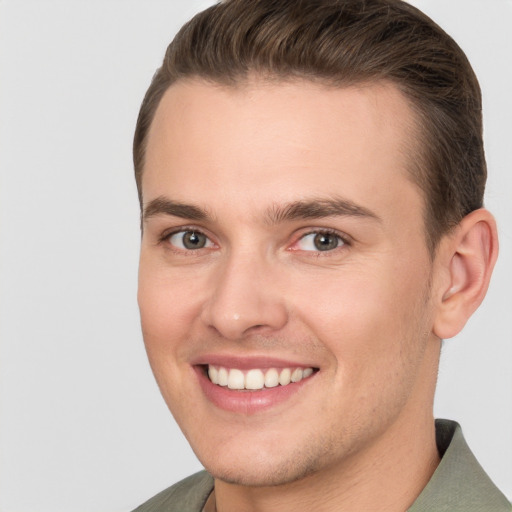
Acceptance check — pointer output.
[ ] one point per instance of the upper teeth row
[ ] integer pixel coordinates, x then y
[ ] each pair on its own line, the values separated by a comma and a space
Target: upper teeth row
256, 378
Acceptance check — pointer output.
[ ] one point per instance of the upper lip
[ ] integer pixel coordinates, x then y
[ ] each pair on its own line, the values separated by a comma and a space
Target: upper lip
249, 362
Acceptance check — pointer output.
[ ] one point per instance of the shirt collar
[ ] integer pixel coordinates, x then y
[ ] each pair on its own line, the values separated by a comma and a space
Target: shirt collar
459, 484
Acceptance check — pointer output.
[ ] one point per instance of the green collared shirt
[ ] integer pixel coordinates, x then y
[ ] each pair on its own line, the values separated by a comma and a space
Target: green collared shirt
459, 484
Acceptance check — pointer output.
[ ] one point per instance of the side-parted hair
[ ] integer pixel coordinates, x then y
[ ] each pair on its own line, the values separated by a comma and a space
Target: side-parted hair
342, 43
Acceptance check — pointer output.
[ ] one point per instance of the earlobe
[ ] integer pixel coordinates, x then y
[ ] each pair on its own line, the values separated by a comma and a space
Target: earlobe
470, 253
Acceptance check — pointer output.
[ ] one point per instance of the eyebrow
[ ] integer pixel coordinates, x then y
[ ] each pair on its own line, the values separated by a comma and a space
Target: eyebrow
317, 209
163, 205
314, 208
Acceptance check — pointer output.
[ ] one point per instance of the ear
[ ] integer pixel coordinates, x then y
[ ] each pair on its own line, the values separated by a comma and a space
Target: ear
467, 257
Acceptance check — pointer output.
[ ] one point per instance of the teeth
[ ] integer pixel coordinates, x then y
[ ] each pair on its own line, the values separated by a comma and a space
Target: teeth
307, 372
223, 377
285, 377
255, 378
271, 378
236, 379
296, 375
213, 373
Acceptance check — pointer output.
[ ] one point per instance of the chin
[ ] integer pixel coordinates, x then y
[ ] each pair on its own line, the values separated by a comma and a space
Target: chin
268, 477
267, 470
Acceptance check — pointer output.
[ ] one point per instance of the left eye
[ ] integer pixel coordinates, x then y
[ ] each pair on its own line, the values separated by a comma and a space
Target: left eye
190, 240
319, 242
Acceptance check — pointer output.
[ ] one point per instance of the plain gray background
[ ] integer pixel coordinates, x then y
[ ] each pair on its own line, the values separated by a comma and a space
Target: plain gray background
83, 427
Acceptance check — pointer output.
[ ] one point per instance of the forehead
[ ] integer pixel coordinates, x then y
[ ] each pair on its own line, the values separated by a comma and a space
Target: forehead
266, 141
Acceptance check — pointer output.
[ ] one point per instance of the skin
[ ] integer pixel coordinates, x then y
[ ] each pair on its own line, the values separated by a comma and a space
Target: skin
367, 314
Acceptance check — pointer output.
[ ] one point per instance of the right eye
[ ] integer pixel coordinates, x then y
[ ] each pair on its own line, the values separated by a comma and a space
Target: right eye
190, 240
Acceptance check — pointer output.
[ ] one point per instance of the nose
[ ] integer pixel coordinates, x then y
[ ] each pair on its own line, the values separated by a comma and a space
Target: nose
245, 299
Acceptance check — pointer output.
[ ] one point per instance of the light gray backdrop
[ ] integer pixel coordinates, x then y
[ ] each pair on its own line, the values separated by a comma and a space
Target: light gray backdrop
83, 427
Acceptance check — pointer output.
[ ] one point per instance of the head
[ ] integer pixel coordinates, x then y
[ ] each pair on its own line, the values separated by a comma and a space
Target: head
310, 175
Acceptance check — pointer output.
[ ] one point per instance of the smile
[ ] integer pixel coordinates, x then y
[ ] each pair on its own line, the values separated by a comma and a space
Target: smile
252, 385
255, 378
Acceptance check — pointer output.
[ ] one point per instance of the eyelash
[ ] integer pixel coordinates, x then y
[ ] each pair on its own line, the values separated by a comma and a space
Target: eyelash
346, 241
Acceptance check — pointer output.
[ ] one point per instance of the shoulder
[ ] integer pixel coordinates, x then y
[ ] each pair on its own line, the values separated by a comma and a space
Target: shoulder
188, 495
459, 484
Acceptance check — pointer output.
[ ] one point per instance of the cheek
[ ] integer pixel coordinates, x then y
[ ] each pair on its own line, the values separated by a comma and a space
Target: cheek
169, 300
366, 319
166, 307
344, 305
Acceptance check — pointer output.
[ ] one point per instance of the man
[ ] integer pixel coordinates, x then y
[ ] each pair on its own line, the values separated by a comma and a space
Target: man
311, 178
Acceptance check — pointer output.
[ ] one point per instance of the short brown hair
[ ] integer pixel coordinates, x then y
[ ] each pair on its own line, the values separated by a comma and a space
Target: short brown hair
340, 43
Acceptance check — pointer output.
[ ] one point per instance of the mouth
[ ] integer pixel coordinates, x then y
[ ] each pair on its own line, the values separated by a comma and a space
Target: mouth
252, 386
255, 379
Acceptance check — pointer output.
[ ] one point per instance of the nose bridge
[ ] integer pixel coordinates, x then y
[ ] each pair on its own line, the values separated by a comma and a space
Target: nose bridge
244, 297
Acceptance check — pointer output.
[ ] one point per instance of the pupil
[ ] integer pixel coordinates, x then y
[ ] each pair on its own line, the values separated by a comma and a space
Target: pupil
193, 240
325, 242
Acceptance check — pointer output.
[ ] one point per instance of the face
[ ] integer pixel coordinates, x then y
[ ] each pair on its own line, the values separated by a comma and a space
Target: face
284, 275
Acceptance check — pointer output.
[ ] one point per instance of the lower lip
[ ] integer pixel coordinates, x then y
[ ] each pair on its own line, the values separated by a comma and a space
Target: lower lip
247, 401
